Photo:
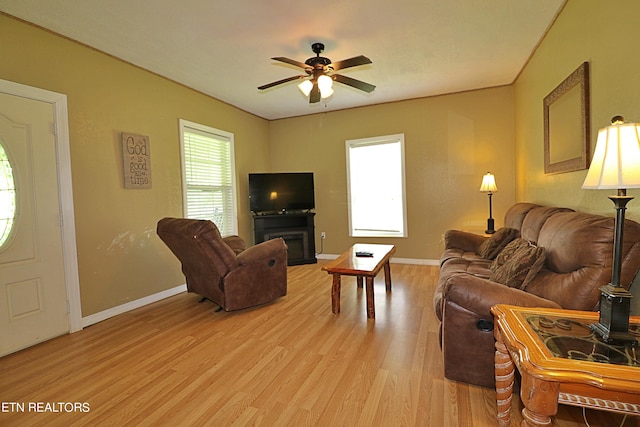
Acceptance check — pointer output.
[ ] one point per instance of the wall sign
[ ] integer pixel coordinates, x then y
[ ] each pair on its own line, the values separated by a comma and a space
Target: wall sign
136, 160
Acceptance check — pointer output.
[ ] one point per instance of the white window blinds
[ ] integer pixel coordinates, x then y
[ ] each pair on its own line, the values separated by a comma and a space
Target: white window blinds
209, 176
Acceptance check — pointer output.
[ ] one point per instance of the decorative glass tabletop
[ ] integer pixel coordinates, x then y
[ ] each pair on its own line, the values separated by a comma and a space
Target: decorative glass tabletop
574, 339
562, 360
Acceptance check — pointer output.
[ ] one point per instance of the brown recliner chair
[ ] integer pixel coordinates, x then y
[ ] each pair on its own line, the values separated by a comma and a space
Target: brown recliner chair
224, 270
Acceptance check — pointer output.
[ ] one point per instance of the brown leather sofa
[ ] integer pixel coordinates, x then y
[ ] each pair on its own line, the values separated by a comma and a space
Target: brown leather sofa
578, 250
224, 270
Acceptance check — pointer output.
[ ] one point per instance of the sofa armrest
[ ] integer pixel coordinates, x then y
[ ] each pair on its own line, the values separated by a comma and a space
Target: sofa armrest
259, 252
261, 276
236, 243
478, 295
468, 242
467, 325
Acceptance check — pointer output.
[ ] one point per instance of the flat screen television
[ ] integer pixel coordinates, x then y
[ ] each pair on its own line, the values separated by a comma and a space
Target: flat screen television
281, 192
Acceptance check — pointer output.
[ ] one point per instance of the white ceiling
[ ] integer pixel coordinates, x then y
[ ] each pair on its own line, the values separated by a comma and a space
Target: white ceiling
223, 48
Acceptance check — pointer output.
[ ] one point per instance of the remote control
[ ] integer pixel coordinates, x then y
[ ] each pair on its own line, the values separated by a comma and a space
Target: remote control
364, 254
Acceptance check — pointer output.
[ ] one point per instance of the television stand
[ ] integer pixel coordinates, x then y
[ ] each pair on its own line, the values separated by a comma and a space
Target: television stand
297, 229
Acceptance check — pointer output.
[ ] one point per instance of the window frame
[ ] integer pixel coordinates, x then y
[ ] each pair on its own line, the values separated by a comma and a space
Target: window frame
217, 134
9, 185
378, 140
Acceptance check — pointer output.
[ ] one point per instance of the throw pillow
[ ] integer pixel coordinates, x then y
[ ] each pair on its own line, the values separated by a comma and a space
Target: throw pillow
508, 252
519, 269
498, 240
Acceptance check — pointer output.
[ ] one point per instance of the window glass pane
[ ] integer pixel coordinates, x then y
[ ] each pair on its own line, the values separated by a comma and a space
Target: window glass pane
376, 186
209, 176
7, 197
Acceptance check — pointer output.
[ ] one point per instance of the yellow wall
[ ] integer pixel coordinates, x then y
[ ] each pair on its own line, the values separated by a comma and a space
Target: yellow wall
604, 34
120, 257
451, 141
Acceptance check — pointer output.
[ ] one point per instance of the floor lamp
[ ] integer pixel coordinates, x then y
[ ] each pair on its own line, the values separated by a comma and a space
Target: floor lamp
489, 186
616, 165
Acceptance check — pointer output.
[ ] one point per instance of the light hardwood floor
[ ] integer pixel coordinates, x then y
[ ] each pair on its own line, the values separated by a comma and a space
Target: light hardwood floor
290, 363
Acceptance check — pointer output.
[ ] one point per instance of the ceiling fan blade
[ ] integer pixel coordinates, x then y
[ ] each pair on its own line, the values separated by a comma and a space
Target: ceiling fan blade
291, 62
314, 95
358, 84
351, 62
279, 82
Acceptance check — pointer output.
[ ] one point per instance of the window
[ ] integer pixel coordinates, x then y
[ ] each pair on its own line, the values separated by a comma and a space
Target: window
376, 188
7, 198
208, 176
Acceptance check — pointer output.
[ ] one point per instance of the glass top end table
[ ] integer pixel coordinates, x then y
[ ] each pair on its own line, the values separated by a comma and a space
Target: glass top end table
561, 360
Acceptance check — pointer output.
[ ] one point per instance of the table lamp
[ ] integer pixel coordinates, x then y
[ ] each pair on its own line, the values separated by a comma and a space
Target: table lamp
616, 165
489, 186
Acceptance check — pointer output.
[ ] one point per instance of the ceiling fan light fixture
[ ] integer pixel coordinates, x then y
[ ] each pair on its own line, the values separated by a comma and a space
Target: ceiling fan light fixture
318, 81
305, 87
324, 82
326, 92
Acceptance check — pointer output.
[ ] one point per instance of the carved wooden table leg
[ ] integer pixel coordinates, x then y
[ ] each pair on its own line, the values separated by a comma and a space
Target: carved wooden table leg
371, 308
335, 294
504, 381
540, 399
387, 276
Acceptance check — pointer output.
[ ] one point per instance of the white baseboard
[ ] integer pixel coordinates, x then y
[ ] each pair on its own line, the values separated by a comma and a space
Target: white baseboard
132, 305
393, 260
326, 256
415, 261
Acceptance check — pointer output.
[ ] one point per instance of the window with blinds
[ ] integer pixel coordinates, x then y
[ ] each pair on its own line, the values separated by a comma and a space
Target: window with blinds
376, 187
208, 175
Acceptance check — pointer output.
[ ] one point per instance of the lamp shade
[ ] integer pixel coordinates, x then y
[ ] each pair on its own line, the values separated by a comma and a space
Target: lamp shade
324, 84
616, 160
488, 183
326, 93
305, 87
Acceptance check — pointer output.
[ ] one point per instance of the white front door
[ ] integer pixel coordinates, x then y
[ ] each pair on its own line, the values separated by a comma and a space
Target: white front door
33, 293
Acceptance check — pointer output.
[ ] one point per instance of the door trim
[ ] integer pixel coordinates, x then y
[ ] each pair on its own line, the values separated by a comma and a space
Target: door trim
65, 191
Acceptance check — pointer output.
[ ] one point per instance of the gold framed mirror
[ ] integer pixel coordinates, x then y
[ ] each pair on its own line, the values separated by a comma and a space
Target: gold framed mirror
567, 134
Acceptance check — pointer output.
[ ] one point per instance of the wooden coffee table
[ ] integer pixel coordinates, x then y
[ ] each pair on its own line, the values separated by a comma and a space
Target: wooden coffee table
348, 264
561, 361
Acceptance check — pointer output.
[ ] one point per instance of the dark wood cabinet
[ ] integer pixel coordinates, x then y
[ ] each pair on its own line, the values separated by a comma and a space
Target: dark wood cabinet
297, 230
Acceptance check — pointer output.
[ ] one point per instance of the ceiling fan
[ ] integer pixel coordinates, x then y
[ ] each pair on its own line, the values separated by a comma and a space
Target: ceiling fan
320, 70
